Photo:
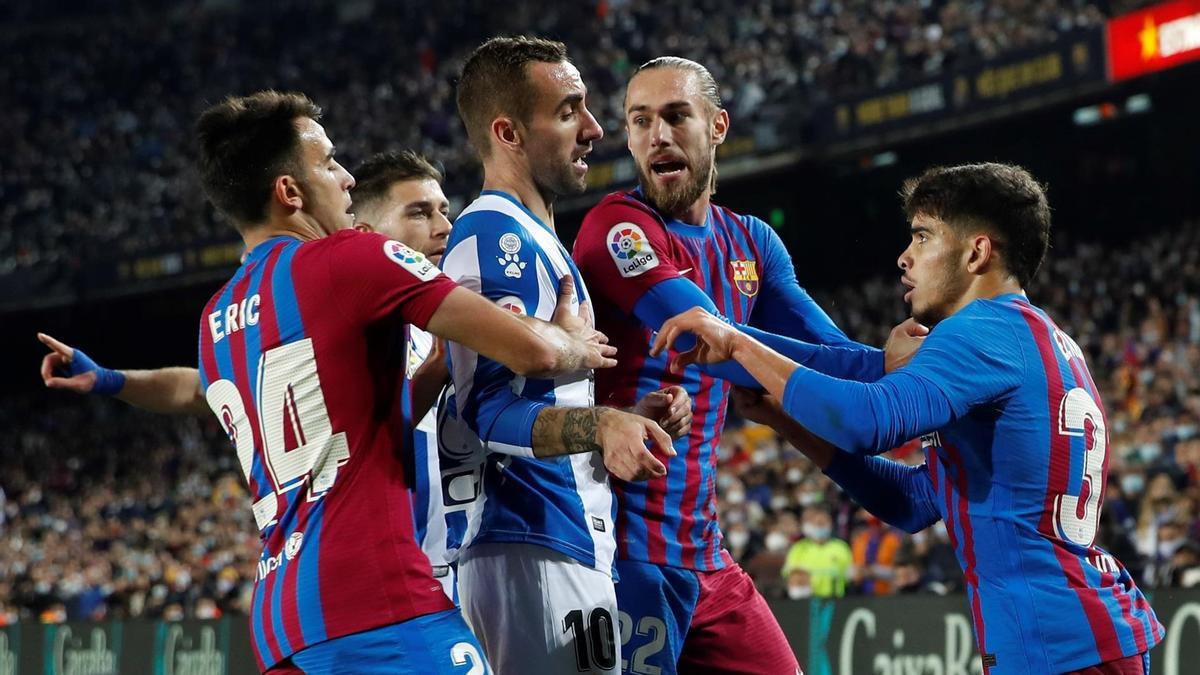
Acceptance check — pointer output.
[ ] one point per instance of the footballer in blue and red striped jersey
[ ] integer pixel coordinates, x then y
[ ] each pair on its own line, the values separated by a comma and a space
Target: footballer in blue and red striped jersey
298, 358
1015, 435
302, 359
647, 255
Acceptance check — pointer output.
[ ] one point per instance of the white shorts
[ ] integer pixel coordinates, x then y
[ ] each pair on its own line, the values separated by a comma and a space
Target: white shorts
537, 611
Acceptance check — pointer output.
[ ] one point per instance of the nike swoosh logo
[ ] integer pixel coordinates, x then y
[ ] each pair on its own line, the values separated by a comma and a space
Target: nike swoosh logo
686, 271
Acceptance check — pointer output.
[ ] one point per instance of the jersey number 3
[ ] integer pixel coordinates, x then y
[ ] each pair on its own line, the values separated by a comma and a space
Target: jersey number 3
300, 446
1076, 517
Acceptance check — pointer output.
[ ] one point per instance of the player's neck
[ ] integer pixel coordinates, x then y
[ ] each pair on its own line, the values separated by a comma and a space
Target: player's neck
989, 286
520, 184
295, 226
697, 213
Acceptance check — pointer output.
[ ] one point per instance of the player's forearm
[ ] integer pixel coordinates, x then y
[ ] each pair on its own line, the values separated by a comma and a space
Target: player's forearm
865, 417
567, 431
848, 361
165, 390
769, 368
476, 323
426, 387
899, 495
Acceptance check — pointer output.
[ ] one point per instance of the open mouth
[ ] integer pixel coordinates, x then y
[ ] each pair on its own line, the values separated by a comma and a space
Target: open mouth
579, 162
668, 167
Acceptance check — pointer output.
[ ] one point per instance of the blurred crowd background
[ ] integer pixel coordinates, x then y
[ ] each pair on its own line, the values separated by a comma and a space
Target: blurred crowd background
99, 103
106, 511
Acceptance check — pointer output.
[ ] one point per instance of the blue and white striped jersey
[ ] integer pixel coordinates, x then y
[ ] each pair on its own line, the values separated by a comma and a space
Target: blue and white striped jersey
444, 485
501, 250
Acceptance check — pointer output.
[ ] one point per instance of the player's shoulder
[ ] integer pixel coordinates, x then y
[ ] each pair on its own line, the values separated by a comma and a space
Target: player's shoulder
619, 207
494, 217
983, 324
757, 228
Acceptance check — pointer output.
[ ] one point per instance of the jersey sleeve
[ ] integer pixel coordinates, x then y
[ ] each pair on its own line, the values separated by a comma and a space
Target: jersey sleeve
623, 250
787, 309
899, 495
493, 255
970, 359
373, 278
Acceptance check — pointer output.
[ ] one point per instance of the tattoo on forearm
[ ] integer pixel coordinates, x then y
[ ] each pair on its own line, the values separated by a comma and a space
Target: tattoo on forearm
559, 431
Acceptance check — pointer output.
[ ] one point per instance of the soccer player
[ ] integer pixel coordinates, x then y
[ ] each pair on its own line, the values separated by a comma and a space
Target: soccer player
299, 361
1015, 435
649, 254
399, 195
535, 576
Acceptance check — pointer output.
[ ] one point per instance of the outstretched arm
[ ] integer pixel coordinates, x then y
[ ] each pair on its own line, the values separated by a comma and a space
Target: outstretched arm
162, 390
900, 495
528, 347
967, 362
670, 297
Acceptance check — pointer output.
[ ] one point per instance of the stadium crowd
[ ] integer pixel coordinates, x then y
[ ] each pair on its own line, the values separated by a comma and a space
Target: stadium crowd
110, 512
98, 105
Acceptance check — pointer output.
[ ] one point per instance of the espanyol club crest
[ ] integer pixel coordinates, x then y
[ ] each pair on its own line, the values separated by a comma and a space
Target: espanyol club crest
745, 276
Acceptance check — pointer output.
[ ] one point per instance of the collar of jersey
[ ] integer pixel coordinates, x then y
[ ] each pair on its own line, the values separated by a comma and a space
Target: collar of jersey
678, 226
514, 200
267, 245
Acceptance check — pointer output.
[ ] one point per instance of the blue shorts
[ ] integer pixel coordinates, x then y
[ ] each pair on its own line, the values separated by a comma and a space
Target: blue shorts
435, 644
676, 620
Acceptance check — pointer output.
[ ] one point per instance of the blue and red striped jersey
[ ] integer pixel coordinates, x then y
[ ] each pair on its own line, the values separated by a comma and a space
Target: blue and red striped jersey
302, 359
1016, 444
623, 249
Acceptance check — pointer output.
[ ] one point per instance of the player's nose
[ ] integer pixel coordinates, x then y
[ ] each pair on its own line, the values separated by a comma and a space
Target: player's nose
592, 131
658, 132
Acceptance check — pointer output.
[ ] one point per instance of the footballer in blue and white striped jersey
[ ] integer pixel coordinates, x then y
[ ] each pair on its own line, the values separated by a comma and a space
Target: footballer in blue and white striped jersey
500, 249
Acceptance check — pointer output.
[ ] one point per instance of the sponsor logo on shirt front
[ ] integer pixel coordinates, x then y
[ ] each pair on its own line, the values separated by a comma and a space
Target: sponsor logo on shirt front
745, 276
416, 263
630, 250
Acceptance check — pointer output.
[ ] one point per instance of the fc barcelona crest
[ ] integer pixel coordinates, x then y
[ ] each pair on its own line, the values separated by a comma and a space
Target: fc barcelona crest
745, 276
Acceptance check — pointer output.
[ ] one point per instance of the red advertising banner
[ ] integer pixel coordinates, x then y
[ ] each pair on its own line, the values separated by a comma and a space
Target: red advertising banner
1157, 38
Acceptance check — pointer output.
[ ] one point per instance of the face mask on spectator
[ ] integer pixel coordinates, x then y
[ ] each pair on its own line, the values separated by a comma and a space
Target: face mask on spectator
810, 498
799, 592
738, 538
1166, 549
735, 497
1150, 451
776, 542
794, 475
779, 502
816, 532
1133, 484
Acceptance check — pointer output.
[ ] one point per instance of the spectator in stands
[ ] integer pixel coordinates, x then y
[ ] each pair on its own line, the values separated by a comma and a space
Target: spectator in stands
818, 565
874, 547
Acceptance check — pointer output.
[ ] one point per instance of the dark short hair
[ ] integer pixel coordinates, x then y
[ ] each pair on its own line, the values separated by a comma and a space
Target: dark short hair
495, 81
245, 143
374, 177
1002, 199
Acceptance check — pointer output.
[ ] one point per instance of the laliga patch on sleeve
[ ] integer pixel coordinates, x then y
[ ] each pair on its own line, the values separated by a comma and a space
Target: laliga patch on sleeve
417, 264
630, 249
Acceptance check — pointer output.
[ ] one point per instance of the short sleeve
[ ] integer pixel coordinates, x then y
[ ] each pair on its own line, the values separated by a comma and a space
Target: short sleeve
373, 278
622, 250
